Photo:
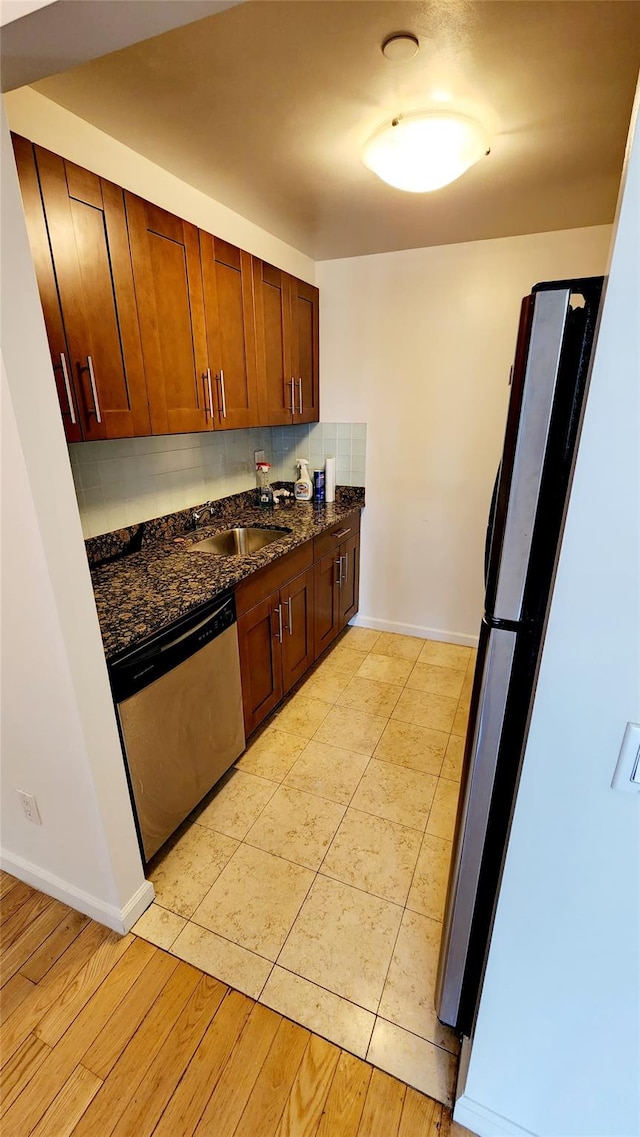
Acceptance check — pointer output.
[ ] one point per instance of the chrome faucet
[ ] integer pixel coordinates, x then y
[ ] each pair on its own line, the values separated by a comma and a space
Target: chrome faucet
197, 514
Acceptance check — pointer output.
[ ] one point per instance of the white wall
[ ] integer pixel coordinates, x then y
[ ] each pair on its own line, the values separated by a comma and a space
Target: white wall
43, 121
418, 345
556, 1050
59, 737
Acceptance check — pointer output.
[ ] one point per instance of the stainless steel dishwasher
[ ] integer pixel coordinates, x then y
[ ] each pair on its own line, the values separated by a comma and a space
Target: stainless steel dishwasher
179, 705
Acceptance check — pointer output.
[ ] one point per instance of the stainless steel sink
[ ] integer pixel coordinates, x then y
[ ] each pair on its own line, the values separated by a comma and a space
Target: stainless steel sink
236, 542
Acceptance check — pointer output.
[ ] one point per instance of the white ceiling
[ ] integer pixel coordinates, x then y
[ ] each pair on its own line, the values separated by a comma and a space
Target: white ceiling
38, 42
266, 107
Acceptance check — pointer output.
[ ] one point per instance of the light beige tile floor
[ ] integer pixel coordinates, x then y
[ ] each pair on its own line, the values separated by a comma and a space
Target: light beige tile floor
313, 878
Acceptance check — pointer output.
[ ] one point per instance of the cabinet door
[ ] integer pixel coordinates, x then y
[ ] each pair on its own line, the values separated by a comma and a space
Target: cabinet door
228, 304
304, 349
47, 287
326, 601
297, 642
88, 236
273, 344
168, 280
349, 578
260, 661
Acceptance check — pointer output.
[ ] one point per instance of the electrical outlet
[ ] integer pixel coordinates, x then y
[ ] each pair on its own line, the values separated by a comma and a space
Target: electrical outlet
30, 807
258, 456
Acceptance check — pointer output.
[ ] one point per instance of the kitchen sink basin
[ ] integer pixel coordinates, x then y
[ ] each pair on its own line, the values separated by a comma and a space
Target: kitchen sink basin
236, 542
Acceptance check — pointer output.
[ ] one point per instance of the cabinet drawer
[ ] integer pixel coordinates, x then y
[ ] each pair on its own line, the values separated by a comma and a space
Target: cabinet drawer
258, 586
329, 541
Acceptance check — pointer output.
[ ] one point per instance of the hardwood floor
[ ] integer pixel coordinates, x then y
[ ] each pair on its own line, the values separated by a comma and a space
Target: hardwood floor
108, 1036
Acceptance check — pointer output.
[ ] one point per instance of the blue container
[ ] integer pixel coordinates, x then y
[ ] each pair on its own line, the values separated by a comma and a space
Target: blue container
318, 486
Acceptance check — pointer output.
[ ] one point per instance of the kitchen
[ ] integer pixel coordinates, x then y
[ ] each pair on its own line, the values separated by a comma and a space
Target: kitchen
366, 362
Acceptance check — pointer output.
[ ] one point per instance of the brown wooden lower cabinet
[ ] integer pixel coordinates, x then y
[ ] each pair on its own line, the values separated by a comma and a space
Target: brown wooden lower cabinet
349, 586
336, 584
283, 632
276, 647
326, 619
296, 599
260, 661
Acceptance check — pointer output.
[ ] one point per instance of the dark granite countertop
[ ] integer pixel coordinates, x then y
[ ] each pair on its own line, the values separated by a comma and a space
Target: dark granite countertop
144, 577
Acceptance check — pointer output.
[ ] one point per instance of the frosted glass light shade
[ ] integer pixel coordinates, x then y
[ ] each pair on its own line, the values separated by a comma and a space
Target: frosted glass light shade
423, 152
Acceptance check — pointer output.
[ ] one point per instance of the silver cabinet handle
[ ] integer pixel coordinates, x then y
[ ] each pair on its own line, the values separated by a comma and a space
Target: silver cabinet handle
341, 533
278, 611
289, 616
223, 394
339, 564
292, 407
208, 410
299, 396
345, 558
94, 389
67, 387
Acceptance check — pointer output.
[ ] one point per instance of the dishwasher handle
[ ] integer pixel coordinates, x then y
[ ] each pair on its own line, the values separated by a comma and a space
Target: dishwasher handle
185, 635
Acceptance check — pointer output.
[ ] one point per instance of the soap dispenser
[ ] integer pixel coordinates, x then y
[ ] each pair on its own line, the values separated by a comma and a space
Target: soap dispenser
265, 493
303, 488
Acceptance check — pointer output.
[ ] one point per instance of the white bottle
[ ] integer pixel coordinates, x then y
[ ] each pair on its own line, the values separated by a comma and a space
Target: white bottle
303, 488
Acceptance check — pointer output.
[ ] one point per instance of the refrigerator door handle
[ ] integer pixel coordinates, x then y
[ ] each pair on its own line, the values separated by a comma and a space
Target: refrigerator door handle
540, 380
472, 824
491, 527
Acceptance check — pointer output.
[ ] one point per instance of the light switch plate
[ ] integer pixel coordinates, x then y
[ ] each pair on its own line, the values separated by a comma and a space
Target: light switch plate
627, 772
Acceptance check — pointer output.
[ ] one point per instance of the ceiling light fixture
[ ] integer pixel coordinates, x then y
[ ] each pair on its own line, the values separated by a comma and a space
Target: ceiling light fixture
423, 152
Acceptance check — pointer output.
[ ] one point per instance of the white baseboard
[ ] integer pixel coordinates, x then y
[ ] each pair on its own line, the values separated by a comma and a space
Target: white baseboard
118, 919
136, 905
484, 1121
361, 621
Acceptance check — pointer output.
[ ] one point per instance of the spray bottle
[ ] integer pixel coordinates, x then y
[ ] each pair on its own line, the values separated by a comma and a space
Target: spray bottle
303, 488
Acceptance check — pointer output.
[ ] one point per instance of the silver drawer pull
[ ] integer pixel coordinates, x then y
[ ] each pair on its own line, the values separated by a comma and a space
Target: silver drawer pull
299, 396
278, 612
67, 387
345, 558
339, 566
342, 533
289, 616
94, 389
208, 410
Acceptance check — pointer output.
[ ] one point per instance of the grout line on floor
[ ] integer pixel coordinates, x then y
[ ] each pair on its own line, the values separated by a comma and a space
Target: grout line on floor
407, 1030
330, 991
228, 939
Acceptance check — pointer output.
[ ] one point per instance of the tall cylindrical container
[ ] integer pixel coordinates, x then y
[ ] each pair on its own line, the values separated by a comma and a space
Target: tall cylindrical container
330, 479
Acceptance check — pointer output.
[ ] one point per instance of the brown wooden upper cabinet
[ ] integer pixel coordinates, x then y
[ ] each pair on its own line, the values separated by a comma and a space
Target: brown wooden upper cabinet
39, 242
78, 232
303, 299
165, 253
154, 326
287, 346
228, 305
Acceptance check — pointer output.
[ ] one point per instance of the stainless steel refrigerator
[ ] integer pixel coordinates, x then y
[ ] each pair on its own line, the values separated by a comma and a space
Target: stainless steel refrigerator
548, 383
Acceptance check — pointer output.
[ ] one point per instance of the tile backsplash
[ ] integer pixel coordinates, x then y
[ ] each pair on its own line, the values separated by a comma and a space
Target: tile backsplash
121, 481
